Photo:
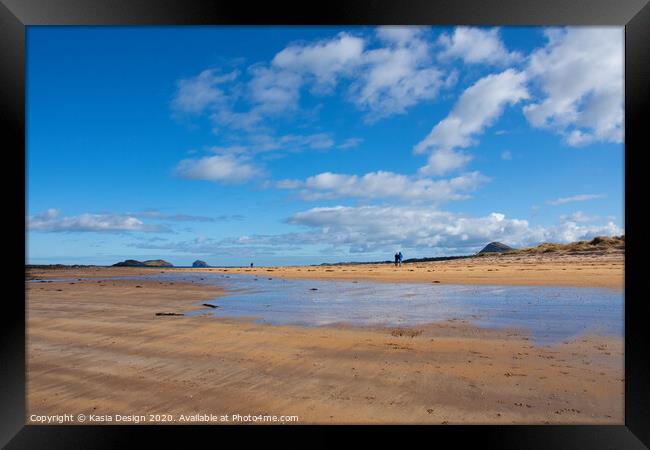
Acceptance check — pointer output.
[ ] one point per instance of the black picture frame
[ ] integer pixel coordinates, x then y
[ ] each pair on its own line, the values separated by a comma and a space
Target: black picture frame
16, 15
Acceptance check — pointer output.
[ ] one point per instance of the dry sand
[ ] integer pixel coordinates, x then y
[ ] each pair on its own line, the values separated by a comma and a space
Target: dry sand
97, 347
570, 270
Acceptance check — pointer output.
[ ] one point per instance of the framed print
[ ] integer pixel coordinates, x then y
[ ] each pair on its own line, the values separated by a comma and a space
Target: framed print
356, 214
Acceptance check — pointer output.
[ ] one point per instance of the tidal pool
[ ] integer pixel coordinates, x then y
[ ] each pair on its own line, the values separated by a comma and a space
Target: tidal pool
549, 313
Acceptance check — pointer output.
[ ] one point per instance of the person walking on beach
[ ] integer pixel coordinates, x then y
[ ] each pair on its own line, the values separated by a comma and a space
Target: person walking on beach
396, 259
399, 255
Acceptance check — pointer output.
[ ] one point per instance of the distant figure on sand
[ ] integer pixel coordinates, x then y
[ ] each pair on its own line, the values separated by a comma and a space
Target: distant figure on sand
396, 259
251, 265
400, 257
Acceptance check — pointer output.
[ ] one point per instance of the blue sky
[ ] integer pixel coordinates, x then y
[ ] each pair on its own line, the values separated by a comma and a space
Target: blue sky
300, 145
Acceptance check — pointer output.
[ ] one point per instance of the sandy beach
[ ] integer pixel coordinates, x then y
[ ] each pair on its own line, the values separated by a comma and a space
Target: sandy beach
571, 270
386, 224
98, 347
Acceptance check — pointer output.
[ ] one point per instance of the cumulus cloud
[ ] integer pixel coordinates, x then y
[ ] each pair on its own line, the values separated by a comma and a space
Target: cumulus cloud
573, 199
445, 160
377, 229
193, 95
476, 45
324, 60
233, 163
571, 231
274, 91
224, 168
397, 75
384, 227
50, 221
386, 79
275, 88
477, 108
383, 184
385, 75
580, 72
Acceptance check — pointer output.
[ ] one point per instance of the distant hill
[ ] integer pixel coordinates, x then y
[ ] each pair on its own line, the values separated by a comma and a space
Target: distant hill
199, 263
148, 263
496, 247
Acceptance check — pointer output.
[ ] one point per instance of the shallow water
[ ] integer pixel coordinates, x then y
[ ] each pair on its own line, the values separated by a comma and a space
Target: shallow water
549, 314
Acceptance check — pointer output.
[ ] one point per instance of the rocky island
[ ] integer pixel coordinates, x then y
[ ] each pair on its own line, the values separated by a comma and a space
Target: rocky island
148, 263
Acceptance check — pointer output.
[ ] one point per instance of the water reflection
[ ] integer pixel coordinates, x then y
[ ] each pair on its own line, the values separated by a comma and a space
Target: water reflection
550, 314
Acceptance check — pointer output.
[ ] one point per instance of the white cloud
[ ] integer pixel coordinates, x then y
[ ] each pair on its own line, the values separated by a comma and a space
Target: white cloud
109, 223
580, 72
275, 88
577, 217
385, 79
397, 75
383, 184
225, 118
445, 160
574, 198
570, 231
350, 143
261, 143
324, 60
243, 246
195, 94
400, 35
232, 164
476, 45
506, 155
381, 229
224, 168
291, 142
477, 108
371, 228
274, 91
159, 215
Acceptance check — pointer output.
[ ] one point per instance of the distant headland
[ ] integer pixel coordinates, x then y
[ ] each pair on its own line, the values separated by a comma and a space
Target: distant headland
148, 263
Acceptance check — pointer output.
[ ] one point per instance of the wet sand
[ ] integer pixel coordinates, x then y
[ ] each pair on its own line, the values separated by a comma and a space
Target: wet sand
571, 270
97, 347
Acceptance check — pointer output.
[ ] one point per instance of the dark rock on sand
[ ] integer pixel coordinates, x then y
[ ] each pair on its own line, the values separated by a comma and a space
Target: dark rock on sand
169, 314
210, 306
